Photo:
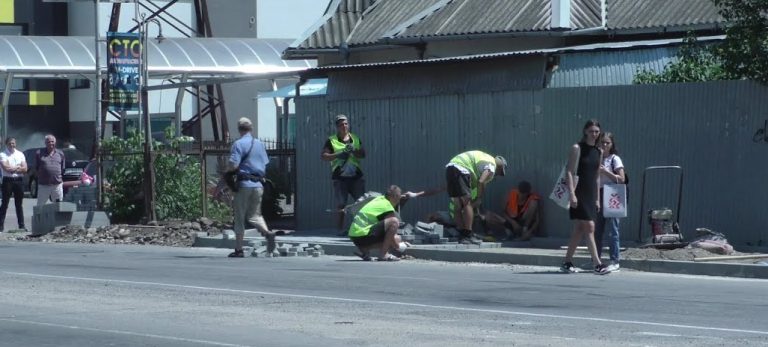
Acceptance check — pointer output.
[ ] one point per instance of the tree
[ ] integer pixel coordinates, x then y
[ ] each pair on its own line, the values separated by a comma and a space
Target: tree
695, 63
744, 52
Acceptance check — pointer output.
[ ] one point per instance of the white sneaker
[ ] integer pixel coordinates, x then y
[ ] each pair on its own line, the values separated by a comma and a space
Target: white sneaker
614, 267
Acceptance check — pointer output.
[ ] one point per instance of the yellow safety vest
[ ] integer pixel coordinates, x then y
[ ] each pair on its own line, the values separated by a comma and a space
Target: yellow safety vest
474, 161
338, 147
369, 215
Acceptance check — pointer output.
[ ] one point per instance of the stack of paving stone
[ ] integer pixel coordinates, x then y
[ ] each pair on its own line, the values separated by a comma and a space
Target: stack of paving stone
285, 249
427, 233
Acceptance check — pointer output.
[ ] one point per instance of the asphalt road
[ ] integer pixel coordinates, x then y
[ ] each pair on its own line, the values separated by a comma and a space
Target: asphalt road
101, 295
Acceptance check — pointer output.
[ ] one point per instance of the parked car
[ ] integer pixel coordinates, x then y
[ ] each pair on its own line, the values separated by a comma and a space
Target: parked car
75, 163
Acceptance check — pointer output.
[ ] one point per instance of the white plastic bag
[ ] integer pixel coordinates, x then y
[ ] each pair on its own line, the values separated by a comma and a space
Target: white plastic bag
614, 201
561, 193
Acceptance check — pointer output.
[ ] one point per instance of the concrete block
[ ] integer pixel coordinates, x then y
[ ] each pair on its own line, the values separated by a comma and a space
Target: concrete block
301, 254
64, 206
227, 234
315, 254
88, 219
292, 254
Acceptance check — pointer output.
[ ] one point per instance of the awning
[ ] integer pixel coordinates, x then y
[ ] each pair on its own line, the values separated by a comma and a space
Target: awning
316, 86
197, 59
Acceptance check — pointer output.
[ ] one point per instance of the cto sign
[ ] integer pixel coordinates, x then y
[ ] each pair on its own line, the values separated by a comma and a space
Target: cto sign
124, 53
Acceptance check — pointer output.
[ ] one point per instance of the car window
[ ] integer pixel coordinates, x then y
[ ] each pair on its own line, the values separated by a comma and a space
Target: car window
73, 154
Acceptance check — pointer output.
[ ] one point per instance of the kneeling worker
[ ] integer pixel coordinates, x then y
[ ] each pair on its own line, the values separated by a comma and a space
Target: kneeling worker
376, 224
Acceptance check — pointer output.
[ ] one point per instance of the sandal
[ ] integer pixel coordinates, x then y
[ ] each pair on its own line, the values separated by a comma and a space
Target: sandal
389, 257
363, 256
237, 254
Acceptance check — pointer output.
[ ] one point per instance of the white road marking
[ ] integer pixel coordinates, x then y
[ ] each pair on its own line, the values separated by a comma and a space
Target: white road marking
122, 332
399, 303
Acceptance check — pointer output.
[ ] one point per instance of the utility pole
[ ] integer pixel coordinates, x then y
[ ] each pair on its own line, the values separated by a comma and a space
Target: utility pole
149, 156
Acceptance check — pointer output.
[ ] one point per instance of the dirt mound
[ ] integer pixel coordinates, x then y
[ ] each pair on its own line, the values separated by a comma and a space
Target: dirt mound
168, 233
682, 254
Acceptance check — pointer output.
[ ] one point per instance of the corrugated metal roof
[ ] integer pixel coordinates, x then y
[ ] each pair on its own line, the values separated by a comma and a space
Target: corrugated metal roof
335, 26
385, 16
483, 16
638, 14
408, 19
586, 14
605, 68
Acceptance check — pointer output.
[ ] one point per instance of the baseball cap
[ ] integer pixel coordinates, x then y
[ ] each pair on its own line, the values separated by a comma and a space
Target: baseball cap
340, 117
244, 122
502, 164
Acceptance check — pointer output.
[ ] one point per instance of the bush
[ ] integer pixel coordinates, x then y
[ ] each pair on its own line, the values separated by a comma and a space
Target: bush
177, 181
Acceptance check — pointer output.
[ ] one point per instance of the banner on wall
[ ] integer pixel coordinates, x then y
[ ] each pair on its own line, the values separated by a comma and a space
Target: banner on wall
123, 70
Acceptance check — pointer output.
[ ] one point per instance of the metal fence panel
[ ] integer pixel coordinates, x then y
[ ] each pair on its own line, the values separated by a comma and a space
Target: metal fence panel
715, 131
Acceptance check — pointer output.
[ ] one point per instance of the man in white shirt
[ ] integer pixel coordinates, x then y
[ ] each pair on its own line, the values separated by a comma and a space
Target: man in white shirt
14, 166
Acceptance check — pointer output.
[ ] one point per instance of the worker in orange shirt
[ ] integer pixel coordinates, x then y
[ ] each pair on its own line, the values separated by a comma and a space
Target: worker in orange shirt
521, 217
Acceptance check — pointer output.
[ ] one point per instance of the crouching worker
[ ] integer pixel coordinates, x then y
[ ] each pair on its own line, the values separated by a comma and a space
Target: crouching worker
376, 225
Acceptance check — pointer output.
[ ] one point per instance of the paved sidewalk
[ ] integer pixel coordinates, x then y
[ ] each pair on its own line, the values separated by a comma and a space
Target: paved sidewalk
522, 253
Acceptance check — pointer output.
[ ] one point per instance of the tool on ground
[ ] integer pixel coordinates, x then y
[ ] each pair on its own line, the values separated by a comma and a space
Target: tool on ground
664, 222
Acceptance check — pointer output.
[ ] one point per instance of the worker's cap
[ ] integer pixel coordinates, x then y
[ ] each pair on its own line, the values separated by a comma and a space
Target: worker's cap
502, 165
244, 122
340, 117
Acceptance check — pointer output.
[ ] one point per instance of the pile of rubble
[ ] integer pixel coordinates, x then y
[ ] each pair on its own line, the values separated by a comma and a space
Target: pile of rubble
168, 233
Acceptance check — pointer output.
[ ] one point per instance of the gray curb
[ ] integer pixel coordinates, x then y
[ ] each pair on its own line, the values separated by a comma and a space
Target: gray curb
488, 256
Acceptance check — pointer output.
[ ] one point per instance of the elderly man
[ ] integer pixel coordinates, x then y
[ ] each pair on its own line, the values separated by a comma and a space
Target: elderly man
14, 165
464, 173
376, 224
249, 157
50, 167
344, 150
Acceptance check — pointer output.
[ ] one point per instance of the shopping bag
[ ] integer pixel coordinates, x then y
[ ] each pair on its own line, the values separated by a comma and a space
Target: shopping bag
561, 193
614, 201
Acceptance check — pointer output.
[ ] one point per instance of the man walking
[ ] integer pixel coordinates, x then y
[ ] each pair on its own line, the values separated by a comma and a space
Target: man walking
463, 174
14, 165
50, 167
344, 150
249, 157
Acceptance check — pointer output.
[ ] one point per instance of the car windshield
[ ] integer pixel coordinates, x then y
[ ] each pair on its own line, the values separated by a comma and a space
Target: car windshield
73, 154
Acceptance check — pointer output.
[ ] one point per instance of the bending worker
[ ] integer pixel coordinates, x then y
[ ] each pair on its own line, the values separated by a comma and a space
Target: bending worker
376, 224
464, 173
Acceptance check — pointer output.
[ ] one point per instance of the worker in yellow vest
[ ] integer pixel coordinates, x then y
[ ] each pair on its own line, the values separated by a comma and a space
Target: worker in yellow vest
464, 173
376, 225
344, 150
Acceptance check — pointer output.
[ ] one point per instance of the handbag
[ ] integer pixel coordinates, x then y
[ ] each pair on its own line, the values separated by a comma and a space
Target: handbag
614, 201
230, 176
561, 193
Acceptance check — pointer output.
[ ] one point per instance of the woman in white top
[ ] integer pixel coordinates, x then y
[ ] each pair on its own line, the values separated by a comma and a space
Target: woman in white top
611, 172
14, 166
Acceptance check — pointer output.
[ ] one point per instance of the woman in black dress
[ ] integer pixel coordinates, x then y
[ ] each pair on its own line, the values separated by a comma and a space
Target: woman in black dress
584, 161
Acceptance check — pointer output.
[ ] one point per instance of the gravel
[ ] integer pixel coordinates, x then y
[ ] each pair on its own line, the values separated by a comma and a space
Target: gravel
168, 233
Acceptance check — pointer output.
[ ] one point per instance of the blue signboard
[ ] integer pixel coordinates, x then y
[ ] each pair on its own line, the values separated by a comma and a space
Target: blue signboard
123, 70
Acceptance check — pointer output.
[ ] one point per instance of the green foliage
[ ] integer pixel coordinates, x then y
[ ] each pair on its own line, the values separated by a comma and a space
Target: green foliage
695, 63
177, 181
743, 54
744, 51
